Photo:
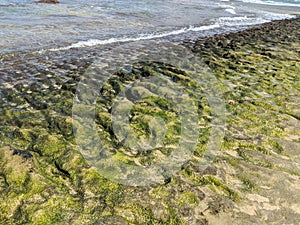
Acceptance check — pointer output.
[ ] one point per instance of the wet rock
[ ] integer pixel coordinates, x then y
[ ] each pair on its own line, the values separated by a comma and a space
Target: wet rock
49, 1
25, 154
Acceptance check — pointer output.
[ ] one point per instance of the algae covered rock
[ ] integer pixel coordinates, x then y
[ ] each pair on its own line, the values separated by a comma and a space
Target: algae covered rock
44, 179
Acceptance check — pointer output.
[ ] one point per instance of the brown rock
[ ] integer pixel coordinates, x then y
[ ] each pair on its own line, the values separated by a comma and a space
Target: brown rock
231, 102
49, 1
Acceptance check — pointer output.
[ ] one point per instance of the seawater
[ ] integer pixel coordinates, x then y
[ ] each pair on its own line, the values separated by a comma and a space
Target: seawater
29, 26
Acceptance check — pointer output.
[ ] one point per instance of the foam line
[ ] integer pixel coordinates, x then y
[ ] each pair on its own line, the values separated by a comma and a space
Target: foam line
94, 42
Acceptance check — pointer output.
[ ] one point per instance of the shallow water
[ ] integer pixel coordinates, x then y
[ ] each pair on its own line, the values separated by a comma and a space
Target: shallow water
29, 26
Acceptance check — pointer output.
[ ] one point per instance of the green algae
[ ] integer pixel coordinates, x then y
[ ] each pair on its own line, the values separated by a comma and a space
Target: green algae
249, 185
187, 198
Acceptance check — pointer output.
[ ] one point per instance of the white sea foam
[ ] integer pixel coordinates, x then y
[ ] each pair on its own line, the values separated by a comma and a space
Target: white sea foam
94, 42
228, 8
218, 23
278, 16
247, 21
31, 27
232, 11
240, 21
272, 3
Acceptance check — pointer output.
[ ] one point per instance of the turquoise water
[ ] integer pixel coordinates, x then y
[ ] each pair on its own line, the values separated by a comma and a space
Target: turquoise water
29, 26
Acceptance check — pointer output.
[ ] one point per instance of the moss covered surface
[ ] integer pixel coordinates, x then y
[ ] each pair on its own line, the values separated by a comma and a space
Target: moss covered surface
255, 178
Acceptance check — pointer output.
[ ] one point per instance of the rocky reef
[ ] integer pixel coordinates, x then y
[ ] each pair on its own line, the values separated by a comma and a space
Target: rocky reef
255, 179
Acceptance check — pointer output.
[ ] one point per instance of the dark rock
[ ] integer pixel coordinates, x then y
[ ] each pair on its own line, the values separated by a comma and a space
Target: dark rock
25, 154
167, 180
60, 169
49, 1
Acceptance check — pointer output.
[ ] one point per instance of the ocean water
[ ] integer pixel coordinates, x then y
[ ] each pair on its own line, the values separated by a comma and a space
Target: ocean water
29, 26
276, 2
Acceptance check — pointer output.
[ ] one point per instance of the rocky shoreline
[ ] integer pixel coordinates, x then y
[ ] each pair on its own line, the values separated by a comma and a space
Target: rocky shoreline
254, 180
